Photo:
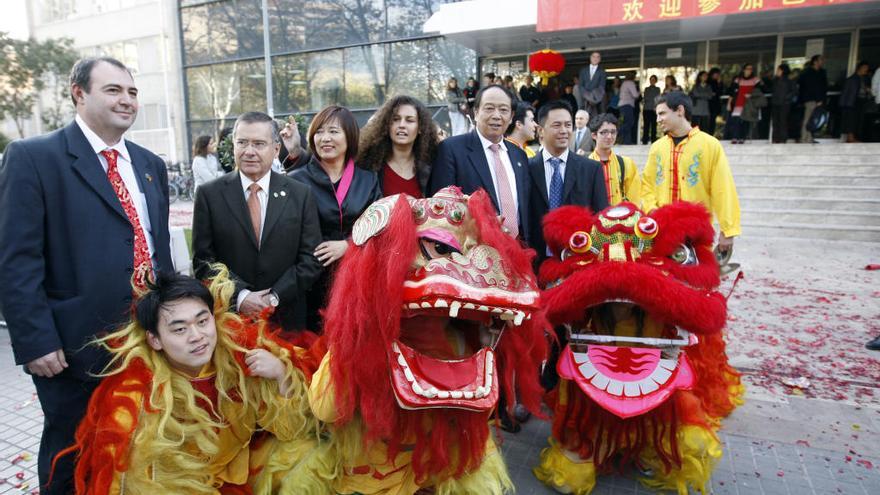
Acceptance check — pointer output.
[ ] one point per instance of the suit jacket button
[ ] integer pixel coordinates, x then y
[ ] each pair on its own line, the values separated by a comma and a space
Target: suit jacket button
129, 270
129, 241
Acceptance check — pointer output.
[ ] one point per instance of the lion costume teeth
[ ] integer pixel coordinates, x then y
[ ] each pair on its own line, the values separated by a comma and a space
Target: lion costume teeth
644, 376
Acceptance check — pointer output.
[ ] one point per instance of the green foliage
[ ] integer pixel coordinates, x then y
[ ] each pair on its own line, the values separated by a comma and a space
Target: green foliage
28, 67
4, 141
224, 152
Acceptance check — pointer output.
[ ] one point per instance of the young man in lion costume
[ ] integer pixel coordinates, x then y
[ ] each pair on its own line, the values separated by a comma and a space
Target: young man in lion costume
195, 400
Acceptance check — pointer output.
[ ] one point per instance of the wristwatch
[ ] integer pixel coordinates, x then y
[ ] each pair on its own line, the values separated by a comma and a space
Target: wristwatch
273, 299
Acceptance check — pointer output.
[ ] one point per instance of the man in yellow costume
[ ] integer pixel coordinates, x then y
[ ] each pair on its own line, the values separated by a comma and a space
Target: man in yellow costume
689, 165
195, 400
622, 181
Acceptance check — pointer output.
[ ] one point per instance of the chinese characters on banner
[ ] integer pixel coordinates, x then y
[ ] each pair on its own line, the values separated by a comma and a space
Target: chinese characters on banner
557, 15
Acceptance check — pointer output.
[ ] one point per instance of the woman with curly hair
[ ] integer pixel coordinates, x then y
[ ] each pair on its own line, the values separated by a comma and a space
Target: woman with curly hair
399, 143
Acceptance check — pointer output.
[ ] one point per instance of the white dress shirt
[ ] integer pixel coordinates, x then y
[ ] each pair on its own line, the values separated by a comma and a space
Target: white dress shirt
593, 69
263, 197
548, 169
126, 171
505, 161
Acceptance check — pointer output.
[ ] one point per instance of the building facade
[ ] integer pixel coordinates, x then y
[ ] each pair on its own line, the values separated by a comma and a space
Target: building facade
298, 56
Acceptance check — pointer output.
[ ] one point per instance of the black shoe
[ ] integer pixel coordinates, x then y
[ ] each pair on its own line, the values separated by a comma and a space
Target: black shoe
521, 414
873, 345
509, 425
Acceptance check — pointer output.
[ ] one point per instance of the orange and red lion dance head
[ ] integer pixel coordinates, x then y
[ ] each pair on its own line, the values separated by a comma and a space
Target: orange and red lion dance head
433, 311
645, 376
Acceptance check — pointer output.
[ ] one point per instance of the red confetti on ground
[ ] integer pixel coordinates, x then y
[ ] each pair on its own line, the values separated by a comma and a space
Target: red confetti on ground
872, 266
803, 443
865, 463
780, 473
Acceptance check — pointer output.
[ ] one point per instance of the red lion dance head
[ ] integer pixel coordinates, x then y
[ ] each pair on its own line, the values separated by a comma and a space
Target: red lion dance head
645, 376
432, 311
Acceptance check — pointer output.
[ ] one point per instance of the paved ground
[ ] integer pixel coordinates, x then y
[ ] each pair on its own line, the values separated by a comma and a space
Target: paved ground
799, 317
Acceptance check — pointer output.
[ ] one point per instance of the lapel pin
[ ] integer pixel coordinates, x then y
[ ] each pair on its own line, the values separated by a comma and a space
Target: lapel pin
149, 177
275, 195
283, 193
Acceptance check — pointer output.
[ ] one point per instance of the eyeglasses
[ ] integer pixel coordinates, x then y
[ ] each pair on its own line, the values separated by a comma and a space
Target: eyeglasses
607, 132
257, 145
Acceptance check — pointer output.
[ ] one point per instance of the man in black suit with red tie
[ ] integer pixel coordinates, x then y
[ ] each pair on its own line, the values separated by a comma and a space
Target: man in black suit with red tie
83, 213
482, 159
262, 225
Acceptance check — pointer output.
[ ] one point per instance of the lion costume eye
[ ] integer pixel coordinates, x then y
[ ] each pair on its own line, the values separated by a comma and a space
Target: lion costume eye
432, 249
685, 255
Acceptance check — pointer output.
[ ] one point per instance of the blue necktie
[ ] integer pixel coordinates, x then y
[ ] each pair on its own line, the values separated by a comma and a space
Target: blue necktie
555, 184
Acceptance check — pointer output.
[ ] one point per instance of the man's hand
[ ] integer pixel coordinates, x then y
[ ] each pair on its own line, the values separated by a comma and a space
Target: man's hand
290, 137
49, 365
328, 252
264, 364
255, 302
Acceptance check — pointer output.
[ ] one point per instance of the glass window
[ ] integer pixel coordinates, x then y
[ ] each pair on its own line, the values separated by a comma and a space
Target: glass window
237, 28
448, 59
194, 25
797, 50
300, 25
732, 54
226, 90
408, 69
290, 84
869, 47
324, 73
680, 60
222, 30
365, 76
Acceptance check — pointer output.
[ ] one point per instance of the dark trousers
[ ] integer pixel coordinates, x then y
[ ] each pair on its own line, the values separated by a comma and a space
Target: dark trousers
713, 118
649, 131
780, 123
739, 128
701, 121
64, 401
628, 114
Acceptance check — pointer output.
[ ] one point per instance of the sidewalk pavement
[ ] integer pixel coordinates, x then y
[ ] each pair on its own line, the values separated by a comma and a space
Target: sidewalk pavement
803, 310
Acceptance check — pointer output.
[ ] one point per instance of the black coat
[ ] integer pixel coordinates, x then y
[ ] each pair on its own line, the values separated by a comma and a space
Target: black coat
813, 85
364, 190
284, 261
583, 185
462, 162
66, 253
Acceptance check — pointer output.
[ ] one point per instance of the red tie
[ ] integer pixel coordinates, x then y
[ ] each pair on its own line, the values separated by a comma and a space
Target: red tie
505, 194
142, 265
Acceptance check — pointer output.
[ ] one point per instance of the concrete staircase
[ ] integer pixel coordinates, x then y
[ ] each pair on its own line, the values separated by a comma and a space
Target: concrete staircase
810, 191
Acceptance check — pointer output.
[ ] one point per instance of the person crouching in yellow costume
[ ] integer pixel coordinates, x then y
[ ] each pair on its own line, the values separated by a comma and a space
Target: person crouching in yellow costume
195, 400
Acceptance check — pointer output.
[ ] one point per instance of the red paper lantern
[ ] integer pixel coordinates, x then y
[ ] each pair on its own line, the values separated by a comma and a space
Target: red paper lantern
546, 64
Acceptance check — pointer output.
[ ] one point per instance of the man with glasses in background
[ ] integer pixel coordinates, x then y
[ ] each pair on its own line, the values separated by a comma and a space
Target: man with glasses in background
262, 225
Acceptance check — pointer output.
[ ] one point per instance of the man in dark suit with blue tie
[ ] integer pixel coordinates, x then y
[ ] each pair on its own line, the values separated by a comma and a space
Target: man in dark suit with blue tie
482, 160
81, 211
560, 176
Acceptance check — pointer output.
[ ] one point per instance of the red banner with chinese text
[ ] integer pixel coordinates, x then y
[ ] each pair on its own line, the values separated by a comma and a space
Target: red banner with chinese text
559, 15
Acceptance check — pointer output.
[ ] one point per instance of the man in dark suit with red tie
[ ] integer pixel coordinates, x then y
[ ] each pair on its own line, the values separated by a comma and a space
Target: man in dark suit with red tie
482, 160
83, 214
262, 225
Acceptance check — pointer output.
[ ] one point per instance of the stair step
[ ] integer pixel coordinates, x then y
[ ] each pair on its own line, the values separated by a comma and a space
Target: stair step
870, 149
815, 217
812, 231
744, 180
839, 193
756, 201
